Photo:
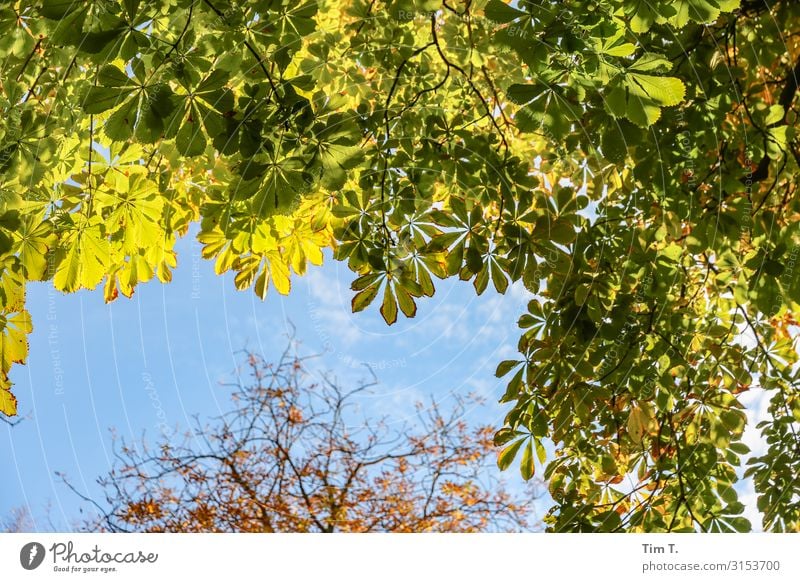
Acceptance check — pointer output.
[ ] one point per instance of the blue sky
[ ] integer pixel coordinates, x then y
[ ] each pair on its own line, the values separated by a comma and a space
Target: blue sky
147, 364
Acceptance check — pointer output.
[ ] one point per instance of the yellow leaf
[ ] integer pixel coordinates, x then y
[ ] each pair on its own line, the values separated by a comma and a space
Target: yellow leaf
262, 282
640, 422
14, 340
8, 403
280, 274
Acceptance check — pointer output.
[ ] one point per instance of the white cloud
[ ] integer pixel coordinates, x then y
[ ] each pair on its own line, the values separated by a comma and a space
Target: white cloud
329, 309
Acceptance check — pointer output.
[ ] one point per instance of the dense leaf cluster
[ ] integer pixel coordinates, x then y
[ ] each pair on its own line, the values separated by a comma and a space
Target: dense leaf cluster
632, 163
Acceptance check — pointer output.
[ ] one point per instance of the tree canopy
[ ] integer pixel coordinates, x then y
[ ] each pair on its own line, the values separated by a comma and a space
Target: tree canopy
632, 163
291, 454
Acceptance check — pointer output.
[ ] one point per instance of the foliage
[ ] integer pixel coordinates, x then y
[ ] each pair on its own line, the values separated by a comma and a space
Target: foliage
632, 163
293, 455
18, 520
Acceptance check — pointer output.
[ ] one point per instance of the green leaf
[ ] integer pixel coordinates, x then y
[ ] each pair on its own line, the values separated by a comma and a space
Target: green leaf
121, 124
526, 466
499, 279
58, 9
505, 435
640, 97
262, 282
775, 114
86, 260
99, 99
191, 140
700, 10
505, 367
507, 455
6, 243
35, 239
389, 306
499, 11
541, 454
362, 299
406, 302
562, 232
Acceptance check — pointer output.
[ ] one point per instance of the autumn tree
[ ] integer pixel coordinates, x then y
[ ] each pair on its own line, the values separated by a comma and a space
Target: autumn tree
633, 164
297, 455
22, 519
18, 520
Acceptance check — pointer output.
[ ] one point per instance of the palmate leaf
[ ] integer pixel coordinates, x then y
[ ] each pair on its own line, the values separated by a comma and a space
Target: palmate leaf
702, 11
191, 140
34, 240
135, 208
274, 270
112, 88
281, 188
84, 256
337, 156
302, 235
216, 245
144, 110
247, 268
284, 29
209, 102
58, 9
498, 11
289, 21
639, 96
643, 14
548, 108
132, 272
